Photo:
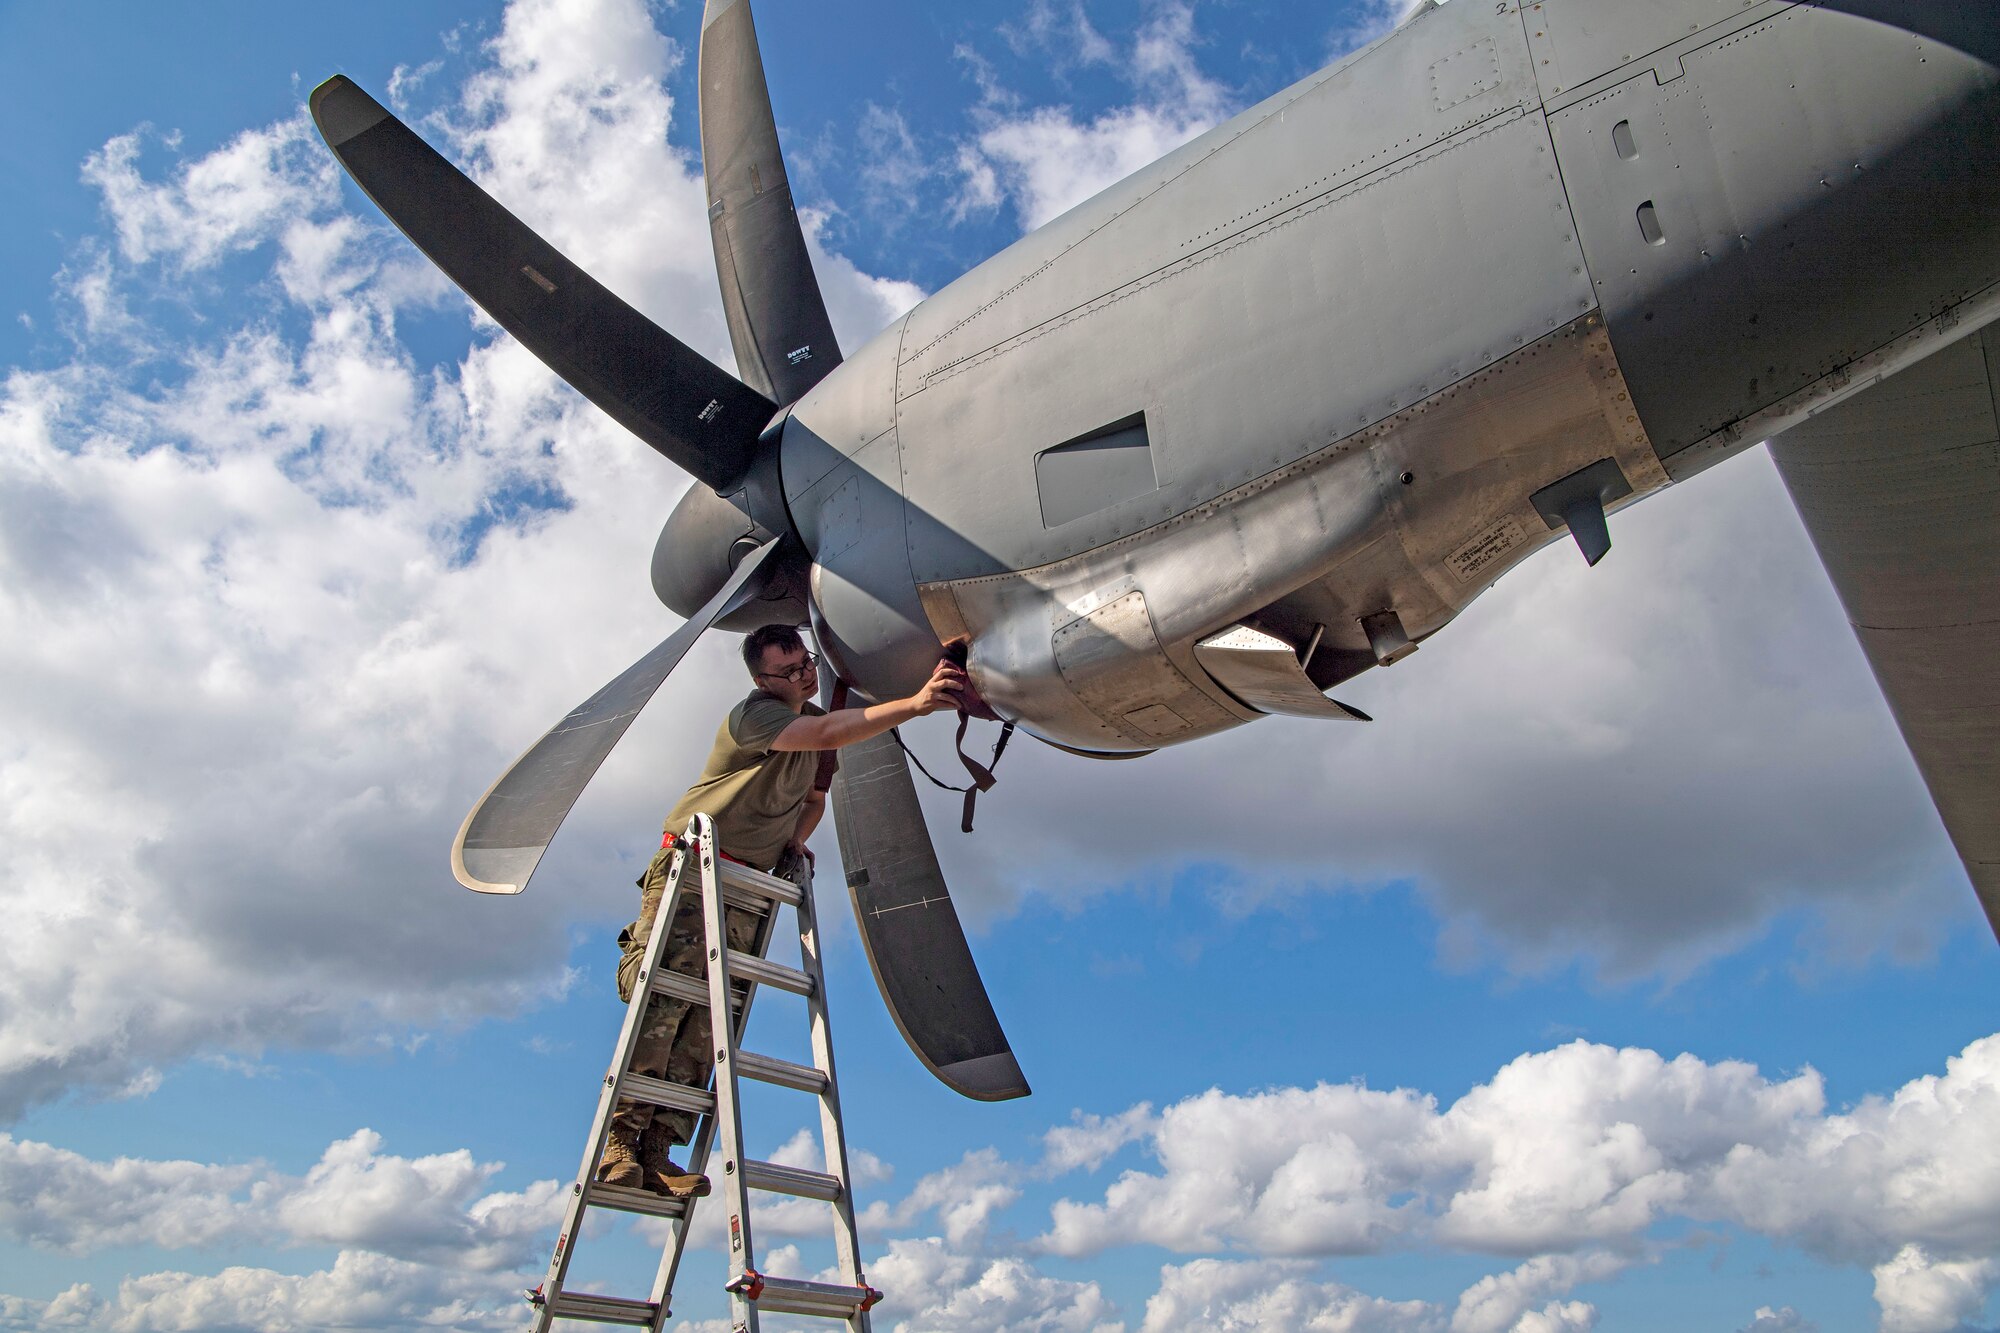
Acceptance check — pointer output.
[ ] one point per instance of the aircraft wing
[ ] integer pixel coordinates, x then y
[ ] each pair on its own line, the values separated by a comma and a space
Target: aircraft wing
1899, 487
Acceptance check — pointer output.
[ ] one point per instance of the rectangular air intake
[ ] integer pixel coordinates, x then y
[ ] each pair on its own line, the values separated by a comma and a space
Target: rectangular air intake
1095, 471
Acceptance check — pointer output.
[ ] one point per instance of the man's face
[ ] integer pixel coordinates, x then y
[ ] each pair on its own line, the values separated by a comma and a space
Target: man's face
777, 671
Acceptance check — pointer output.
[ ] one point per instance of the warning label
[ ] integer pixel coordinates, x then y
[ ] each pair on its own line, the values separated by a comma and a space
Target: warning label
1468, 560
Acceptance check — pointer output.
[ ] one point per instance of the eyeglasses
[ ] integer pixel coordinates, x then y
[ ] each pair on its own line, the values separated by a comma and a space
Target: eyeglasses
796, 675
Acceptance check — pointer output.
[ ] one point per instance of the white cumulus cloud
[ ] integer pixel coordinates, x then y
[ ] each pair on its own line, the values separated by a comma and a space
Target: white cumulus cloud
231, 200
277, 600
934, 1289
1270, 1295
1047, 160
435, 1209
963, 1198
1558, 1317
1570, 1157
360, 1291
1565, 1160
1088, 1140
1508, 1301
1922, 1294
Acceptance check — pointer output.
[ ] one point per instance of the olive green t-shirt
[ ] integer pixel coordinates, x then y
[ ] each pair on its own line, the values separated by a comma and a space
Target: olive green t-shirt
752, 792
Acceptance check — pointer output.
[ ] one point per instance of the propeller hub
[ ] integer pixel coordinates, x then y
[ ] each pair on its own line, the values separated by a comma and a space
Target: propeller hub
703, 541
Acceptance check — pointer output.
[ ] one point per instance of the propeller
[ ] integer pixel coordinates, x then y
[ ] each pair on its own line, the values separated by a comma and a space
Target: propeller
915, 943
684, 405
777, 319
784, 343
729, 556
504, 836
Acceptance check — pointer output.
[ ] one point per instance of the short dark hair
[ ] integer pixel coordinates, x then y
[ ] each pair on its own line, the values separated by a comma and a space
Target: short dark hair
769, 636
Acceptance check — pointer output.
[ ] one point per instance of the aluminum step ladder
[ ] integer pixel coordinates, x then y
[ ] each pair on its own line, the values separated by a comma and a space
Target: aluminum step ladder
733, 978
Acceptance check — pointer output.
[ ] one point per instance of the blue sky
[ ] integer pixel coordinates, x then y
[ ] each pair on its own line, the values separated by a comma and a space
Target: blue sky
1620, 976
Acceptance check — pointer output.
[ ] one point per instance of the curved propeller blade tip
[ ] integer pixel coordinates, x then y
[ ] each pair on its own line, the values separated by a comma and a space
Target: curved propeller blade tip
342, 111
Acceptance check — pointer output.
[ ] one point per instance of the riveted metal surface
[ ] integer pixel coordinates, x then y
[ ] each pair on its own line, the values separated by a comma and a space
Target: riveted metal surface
1337, 126
1577, 41
1111, 660
1238, 294
1338, 532
1777, 172
842, 413
1274, 345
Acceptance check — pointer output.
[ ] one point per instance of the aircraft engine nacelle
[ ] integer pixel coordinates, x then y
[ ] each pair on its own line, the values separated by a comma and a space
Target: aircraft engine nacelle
1325, 373
1189, 404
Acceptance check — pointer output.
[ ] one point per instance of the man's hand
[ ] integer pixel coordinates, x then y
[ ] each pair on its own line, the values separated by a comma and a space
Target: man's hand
797, 847
848, 725
941, 691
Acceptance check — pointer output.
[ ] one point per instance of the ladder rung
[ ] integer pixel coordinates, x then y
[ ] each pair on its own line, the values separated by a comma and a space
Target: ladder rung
786, 1295
770, 1069
749, 967
626, 1199
659, 1092
747, 899
764, 888
791, 1180
692, 989
603, 1309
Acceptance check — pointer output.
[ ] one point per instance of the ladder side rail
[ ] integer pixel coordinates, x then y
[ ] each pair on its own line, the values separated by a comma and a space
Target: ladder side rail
608, 1098
703, 1139
741, 1249
833, 1134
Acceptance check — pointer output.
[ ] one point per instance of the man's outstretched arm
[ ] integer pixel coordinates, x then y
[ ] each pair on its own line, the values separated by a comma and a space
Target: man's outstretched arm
850, 725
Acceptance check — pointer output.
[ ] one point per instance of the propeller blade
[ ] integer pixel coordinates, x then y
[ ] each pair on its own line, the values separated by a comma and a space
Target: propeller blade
502, 840
914, 941
650, 382
777, 319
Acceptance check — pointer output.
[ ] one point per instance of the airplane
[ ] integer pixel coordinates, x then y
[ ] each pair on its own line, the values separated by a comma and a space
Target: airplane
1271, 411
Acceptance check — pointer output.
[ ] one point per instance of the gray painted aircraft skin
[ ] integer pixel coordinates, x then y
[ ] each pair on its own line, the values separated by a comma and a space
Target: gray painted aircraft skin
1446, 259
1273, 410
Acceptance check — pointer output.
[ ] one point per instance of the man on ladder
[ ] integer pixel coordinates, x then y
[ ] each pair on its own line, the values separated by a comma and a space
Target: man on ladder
765, 787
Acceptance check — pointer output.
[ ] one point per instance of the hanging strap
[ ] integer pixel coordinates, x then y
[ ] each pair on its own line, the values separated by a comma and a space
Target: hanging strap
982, 774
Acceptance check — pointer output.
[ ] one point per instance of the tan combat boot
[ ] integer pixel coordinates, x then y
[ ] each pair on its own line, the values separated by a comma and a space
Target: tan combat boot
663, 1175
620, 1164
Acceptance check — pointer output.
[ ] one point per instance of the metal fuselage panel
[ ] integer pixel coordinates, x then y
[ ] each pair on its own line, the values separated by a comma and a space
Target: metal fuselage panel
1361, 325
1270, 288
1815, 187
1337, 531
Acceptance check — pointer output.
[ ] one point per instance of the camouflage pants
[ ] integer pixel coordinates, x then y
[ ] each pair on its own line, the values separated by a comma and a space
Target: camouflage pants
675, 1042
